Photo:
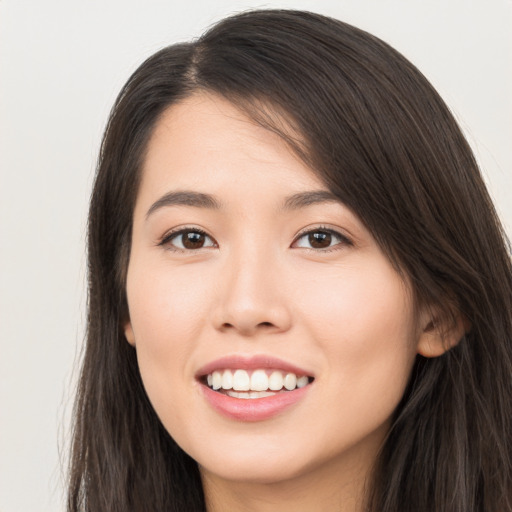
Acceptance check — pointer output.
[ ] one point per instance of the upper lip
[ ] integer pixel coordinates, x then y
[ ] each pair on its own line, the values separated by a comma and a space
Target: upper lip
253, 362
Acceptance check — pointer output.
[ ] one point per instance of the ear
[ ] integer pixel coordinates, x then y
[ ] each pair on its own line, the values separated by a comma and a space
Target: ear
128, 333
439, 333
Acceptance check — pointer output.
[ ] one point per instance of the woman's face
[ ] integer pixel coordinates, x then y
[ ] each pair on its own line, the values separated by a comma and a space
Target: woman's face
246, 273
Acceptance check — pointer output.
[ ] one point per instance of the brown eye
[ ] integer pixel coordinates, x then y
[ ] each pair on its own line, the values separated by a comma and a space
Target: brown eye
189, 239
320, 239
193, 240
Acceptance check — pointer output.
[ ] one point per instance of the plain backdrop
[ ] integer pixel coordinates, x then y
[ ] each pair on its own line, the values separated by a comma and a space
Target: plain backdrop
61, 66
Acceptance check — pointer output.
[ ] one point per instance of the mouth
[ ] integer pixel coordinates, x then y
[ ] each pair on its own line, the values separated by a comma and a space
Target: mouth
255, 383
253, 388
261, 384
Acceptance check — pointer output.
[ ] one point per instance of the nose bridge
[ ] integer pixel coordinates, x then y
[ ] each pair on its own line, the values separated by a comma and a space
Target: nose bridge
251, 297
252, 272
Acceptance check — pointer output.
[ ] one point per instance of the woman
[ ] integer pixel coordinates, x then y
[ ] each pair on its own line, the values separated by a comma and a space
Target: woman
299, 292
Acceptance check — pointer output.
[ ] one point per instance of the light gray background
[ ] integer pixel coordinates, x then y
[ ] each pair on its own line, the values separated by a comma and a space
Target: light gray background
61, 66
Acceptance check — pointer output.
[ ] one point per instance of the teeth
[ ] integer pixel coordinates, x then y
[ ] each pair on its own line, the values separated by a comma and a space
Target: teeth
227, 380
290, 381
302, 381
258, 383
276, 381
252, 394
216, 380
241, 381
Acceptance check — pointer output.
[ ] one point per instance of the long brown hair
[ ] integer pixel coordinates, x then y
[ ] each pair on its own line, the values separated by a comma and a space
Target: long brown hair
375, 131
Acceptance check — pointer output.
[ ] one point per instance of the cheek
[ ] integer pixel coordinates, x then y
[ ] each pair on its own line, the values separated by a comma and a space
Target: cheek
166, 308
167, 313
364, 324
353, 302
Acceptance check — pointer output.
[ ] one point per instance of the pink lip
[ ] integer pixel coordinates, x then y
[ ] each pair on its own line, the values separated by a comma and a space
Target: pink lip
256, 409
250, 363
253, 409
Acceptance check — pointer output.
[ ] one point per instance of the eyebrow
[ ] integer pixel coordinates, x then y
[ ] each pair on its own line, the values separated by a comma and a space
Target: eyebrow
304, 199
201, 200
185, 198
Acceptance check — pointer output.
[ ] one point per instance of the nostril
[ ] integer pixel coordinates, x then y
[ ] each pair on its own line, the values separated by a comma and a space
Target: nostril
247, 328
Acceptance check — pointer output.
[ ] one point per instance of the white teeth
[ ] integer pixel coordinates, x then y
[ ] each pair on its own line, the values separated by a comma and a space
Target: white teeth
227, 380
275, 381
216, 380
241, 381
258, 382
290, 381
302, 381
252, 394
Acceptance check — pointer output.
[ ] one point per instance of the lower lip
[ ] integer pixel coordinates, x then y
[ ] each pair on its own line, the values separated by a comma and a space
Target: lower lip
253, 409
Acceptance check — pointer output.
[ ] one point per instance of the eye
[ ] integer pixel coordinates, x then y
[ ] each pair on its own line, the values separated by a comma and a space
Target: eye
188, 239
321, 238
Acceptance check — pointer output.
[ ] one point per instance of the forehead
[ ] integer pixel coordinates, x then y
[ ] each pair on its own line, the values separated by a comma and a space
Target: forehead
206, 141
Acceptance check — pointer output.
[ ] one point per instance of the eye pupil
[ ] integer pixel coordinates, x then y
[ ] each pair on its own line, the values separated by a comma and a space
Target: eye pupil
320, 239
193, 240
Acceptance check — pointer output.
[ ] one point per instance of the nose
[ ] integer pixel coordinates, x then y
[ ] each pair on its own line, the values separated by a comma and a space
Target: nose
251, 296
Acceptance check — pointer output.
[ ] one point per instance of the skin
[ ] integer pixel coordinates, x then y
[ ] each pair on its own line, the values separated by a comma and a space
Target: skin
258, 287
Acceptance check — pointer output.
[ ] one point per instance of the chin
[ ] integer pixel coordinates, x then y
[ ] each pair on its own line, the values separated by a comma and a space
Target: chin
293, 463
257, 470
251, 460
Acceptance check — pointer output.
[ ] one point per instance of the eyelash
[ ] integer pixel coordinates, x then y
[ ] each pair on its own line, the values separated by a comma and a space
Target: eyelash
344, 241
169, 237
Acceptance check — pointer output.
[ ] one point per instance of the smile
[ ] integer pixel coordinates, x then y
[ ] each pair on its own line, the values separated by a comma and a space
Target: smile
254, 384
253, 388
